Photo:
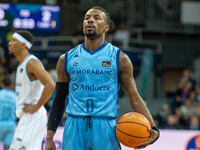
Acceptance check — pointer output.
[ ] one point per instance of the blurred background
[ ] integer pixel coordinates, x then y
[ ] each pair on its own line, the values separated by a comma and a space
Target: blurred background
161, 37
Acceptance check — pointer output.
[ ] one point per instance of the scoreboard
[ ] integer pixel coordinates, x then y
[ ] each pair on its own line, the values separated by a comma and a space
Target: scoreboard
30, 16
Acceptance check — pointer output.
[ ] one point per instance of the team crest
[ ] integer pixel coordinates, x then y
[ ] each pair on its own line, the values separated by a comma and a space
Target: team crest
21, 70
106, 63
75, 63
23, 148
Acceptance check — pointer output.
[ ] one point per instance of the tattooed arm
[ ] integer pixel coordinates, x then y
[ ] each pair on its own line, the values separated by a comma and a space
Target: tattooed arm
129, 86
62, 75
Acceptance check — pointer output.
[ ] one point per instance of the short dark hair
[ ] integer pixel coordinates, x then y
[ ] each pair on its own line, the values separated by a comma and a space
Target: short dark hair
6, 81
27, 35
108, 20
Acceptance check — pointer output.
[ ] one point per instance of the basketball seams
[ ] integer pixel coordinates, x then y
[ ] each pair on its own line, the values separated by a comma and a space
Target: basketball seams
124, 143
131, 135
132, 122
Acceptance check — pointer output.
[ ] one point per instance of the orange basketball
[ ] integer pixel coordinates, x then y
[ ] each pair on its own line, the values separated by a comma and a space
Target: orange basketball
131, 129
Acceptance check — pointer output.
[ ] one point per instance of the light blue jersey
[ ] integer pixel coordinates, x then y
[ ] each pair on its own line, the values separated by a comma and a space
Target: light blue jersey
94, 85
7, 105
7, 116
92, 102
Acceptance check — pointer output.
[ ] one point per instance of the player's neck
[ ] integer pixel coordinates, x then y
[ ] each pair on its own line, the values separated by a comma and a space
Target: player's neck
93, 44
22, 56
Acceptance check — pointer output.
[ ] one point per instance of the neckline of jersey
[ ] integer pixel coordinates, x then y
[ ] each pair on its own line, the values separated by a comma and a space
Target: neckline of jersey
96, 50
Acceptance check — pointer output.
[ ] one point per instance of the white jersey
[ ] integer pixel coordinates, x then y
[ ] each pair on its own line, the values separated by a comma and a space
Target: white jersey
31, 127
27, 91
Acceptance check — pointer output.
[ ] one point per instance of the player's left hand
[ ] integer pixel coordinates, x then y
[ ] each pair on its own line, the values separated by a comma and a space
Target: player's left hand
154, 135
30, 108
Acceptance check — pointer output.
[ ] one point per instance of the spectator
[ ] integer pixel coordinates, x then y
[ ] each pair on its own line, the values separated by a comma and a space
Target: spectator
122, 36
179, 117
187, 76
197, 108
161, 117
172, 122
180, 96
194, 123
187, 112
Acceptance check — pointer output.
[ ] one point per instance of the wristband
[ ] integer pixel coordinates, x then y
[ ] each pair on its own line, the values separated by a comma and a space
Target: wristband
156, 129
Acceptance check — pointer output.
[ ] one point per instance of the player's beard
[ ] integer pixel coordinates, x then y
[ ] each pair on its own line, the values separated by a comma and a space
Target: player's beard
90, 34
11, 53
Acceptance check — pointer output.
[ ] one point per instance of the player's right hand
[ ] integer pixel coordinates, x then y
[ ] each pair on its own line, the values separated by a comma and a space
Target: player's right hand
50, 145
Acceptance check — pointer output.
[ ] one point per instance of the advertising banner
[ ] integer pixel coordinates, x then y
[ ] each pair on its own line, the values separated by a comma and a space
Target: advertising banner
169, 140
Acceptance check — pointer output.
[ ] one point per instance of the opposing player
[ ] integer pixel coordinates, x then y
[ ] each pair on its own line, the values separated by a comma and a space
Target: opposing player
7, 112
89, 76
34, 86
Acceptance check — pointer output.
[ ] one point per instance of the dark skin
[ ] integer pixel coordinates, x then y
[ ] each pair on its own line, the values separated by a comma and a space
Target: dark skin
35, 71
95, 21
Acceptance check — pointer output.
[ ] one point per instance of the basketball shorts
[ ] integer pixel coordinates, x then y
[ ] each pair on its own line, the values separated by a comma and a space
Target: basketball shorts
7, 129
30, 131
89, 133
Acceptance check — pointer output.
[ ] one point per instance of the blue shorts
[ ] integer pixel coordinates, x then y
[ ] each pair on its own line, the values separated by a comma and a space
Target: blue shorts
7, 129
89, 133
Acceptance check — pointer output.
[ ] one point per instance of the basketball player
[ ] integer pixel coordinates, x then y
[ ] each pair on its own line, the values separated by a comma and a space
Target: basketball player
34, 87
89, 76
7, 112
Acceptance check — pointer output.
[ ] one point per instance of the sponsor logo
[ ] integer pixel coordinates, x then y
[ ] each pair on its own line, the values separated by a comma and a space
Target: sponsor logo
95, 72
133, 116
16, 143
194, 143
89, 87
18, 84
106, 63
75, 63
23, 148
74, 87
76, 55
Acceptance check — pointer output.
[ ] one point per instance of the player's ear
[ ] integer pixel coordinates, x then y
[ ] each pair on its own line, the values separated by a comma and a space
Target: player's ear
24, 45
106, 28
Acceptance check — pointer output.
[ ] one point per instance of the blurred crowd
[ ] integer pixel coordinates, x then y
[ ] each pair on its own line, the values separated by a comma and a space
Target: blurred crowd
183, 109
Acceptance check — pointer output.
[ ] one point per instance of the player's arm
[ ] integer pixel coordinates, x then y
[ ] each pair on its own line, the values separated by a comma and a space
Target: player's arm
58, 105
129, 86
35, 71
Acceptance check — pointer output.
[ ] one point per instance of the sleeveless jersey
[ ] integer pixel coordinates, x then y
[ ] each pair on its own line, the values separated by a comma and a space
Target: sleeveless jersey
93, 85
7, 105
27, 91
